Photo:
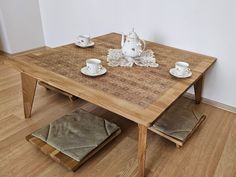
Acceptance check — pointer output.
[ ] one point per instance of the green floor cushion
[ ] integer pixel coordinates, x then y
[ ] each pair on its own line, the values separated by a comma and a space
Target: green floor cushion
77, 134
178, 122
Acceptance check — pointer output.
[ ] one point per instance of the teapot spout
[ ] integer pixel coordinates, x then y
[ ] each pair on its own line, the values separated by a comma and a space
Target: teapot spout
122, 39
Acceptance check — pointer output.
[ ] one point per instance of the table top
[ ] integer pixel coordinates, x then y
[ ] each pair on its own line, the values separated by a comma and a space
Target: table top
140, 94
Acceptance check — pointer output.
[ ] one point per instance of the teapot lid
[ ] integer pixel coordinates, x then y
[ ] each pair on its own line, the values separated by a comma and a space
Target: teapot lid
132, 34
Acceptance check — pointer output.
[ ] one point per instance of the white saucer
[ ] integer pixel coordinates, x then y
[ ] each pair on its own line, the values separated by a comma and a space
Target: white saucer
89, 45
87, 73
174, 73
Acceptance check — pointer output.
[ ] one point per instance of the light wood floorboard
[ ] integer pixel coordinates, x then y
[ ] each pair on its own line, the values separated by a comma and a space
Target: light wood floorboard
211, 152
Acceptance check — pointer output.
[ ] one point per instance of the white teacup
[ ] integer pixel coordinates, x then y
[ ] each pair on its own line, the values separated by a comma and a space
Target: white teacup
93, 65
83, 40
182, 68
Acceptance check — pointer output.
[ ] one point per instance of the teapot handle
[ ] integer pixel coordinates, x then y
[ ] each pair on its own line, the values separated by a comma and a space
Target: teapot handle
144, 45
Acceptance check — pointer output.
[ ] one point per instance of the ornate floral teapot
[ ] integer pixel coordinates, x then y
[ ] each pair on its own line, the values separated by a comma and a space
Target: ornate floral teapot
132, 46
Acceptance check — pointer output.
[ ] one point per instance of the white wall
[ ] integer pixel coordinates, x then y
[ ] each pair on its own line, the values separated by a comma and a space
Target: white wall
207, 27
4, 44
20, 25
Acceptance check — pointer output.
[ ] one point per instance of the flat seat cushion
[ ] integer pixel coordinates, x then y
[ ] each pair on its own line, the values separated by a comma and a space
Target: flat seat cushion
76, 134
178, 122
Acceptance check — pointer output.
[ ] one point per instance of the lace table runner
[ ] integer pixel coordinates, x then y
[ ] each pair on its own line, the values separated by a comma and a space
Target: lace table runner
116, 58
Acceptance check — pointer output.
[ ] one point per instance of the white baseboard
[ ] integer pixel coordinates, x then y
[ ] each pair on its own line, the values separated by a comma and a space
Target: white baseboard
24, 52
213, 103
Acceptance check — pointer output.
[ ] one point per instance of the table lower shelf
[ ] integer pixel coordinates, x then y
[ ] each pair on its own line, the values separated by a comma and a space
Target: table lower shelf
178, 123
178, 142
73, 138
63, 159
49, 87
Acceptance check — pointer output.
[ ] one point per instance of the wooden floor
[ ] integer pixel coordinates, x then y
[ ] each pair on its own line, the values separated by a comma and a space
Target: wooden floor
211, 152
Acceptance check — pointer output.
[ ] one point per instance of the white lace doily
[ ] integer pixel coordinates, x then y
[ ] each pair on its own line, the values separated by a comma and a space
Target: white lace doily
116, 58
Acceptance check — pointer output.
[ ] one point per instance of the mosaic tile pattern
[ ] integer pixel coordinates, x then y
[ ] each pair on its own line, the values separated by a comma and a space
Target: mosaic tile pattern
138, 85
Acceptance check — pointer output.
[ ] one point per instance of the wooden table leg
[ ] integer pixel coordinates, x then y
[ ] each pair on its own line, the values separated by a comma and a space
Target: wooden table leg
142, 142
28, 91
198, 90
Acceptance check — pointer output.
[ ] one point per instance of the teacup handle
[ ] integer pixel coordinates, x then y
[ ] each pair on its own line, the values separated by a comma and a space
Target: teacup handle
100, 67
187, 69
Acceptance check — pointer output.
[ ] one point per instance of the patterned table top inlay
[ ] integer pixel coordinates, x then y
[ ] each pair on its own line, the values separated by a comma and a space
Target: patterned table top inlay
138, 85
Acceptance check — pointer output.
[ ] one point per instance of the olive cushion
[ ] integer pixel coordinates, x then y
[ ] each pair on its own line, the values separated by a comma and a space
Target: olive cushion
178, 122
77, 134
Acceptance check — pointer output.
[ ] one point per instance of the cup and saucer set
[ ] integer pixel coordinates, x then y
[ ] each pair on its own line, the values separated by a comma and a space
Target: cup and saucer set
93, 68
181, 70
84, 41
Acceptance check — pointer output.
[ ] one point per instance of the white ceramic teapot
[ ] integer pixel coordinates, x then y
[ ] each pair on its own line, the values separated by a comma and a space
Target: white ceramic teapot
132, 46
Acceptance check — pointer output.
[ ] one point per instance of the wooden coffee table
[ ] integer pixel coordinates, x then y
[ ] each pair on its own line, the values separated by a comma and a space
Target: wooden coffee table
139, 94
